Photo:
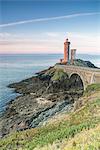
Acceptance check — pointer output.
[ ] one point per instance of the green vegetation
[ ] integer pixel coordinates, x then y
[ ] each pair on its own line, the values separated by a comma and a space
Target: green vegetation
86, 118
55, 74
92, 88
59, 75
87, 140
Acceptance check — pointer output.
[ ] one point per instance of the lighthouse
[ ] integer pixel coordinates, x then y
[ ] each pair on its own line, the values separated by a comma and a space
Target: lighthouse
69, 55
66, 51
66, 58
73, 55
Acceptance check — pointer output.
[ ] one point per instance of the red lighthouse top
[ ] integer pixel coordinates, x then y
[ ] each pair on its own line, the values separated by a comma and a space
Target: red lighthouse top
66, 40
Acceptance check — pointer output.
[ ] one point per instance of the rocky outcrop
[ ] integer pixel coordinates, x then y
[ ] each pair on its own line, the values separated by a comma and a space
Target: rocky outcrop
80, 62
42, 96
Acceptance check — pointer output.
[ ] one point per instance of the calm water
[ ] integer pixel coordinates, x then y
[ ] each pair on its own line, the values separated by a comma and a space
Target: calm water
14, 68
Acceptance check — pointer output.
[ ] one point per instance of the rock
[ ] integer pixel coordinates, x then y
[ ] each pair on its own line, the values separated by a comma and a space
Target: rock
80, 62
42, 97
42, 101
11, 112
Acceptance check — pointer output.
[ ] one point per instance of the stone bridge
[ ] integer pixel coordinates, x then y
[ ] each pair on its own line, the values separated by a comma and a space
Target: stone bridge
87, 75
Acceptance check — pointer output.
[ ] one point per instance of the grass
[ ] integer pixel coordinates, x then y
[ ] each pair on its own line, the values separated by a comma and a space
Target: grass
92, 88
59, 75
87, 140
86, 118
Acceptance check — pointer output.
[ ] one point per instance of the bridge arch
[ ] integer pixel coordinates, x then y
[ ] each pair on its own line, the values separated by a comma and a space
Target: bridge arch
76, 79
88, 75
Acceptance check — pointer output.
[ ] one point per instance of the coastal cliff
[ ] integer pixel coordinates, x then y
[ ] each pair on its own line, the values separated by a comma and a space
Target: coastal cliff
44, 97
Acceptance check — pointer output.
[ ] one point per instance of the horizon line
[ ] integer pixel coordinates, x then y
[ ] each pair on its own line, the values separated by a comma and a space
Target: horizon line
42, 53
48, 19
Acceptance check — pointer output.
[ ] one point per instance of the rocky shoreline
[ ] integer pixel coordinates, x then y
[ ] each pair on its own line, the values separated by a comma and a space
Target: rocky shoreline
42, 96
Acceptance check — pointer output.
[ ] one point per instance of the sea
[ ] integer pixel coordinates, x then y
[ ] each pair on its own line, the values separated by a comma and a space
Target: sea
16, 67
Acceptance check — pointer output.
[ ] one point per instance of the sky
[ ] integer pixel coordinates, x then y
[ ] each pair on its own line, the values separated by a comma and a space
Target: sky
41, 26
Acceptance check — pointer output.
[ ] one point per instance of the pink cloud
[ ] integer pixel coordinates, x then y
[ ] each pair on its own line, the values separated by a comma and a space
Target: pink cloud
50, 43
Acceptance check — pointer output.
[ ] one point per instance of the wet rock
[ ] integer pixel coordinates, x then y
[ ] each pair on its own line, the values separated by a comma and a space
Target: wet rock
11, 112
